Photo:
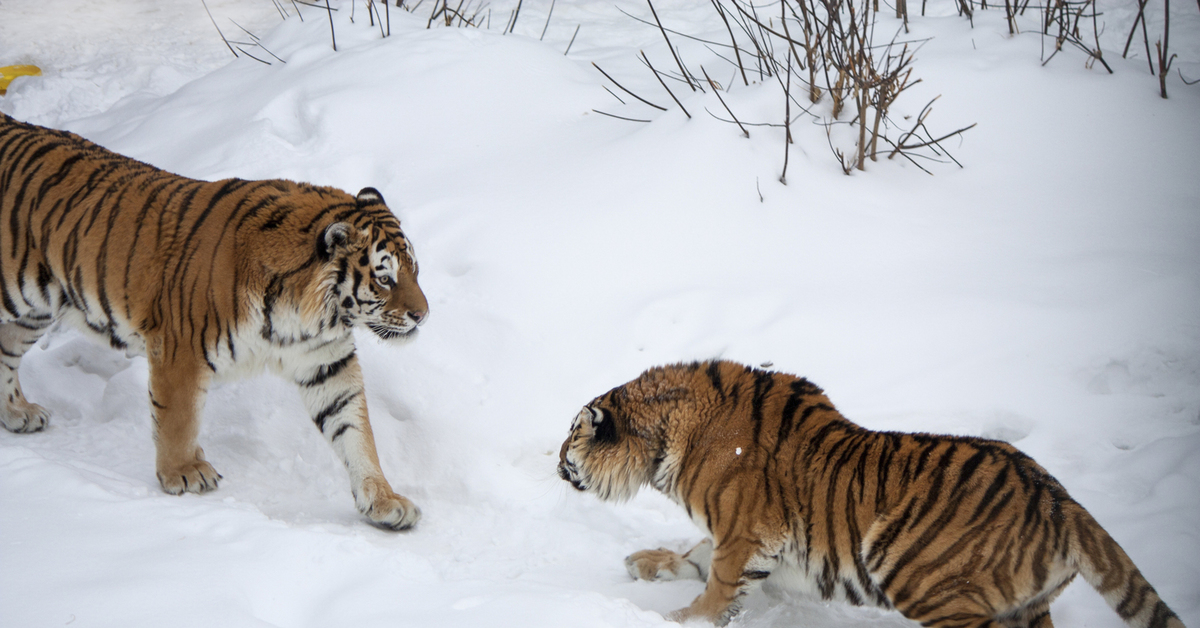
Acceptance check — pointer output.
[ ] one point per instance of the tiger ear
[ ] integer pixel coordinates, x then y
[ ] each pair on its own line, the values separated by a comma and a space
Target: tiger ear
604, 427
334, 237
367, 196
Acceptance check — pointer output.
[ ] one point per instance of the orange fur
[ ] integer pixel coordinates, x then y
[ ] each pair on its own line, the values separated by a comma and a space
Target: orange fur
207, 279
950, 531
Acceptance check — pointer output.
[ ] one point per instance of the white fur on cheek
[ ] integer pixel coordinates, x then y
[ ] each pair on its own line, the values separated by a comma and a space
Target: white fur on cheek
613, 471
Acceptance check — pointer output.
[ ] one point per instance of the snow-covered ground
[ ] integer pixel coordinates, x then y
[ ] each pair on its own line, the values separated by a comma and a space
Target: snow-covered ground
1048, 294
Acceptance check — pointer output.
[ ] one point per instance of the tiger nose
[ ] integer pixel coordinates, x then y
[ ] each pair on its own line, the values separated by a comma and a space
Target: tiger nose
418, 317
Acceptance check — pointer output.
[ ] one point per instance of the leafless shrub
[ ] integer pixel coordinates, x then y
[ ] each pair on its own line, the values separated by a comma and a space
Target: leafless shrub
1077, 23
823, 57
1065, 21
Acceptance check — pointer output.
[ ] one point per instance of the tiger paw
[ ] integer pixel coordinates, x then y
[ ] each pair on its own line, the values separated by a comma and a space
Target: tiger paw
678, 616
394, 513
23, 417
660, 564
690, 613
385, 508
194, 477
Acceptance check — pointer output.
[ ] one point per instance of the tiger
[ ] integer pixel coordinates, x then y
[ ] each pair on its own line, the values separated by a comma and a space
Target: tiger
950, 531
209, 281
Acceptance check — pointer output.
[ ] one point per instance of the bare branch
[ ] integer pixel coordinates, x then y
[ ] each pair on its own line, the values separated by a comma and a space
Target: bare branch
618, 117
736, 53
214, 23
544, 28
264, 62
627, 91
664, 84
570, 43
332, 35
787, 119
904, 147
671, 48
717, 91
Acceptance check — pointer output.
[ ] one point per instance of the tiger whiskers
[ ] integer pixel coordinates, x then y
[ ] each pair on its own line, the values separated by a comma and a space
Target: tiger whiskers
393, 334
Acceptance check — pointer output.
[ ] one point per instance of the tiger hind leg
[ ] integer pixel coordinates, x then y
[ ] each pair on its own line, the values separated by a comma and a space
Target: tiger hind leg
1032, 617
953, 610
17, 414
177, 392
1041, 620
663, 564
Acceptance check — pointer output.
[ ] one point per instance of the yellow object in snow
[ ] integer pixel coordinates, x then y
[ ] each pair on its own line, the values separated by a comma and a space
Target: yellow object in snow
10, 72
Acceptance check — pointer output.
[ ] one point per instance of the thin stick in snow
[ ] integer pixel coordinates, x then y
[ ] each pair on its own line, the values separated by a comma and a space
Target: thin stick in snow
611, 93
214, 23
547, 21
664, 84
332, 35
938, 141
718, 93
618, 117
920, 119
257, 42
1164, 54
671, 48
252, 35
262, 61
572, 40
371, 7
736, 53
516, 15
787, 118
627, 91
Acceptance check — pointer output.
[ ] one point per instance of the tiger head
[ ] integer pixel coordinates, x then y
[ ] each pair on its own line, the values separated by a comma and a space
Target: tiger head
371, 272
617, 442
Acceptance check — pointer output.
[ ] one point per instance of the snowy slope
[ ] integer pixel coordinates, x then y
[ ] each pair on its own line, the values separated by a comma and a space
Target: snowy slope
1047, 294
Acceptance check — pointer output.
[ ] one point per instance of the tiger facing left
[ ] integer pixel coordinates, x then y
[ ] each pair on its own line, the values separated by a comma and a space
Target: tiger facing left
209, 281
952, 532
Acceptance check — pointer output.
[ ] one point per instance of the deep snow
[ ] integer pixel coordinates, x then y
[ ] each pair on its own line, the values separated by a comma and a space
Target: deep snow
1047, 294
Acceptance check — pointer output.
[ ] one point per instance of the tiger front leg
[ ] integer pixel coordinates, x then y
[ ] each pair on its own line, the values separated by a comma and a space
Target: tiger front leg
738, 567
334, 395
663, 564
178, 388
18, 414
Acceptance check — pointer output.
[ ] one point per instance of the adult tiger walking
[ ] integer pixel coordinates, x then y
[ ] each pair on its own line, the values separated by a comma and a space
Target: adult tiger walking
208, 280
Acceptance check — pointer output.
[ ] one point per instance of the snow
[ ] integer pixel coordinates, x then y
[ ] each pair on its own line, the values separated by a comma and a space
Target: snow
1048, 294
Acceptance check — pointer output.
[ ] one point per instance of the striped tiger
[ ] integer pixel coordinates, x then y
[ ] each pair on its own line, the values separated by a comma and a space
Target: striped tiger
209, 281
950, 531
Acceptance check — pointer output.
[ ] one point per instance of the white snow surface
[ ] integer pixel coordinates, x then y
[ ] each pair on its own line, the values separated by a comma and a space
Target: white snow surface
1047, 294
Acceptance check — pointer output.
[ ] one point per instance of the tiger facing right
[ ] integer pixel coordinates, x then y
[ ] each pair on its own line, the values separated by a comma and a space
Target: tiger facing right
210, 281
952, 532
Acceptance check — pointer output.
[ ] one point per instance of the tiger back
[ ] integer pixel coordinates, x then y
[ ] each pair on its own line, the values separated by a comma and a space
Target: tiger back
950, 531
208, 280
